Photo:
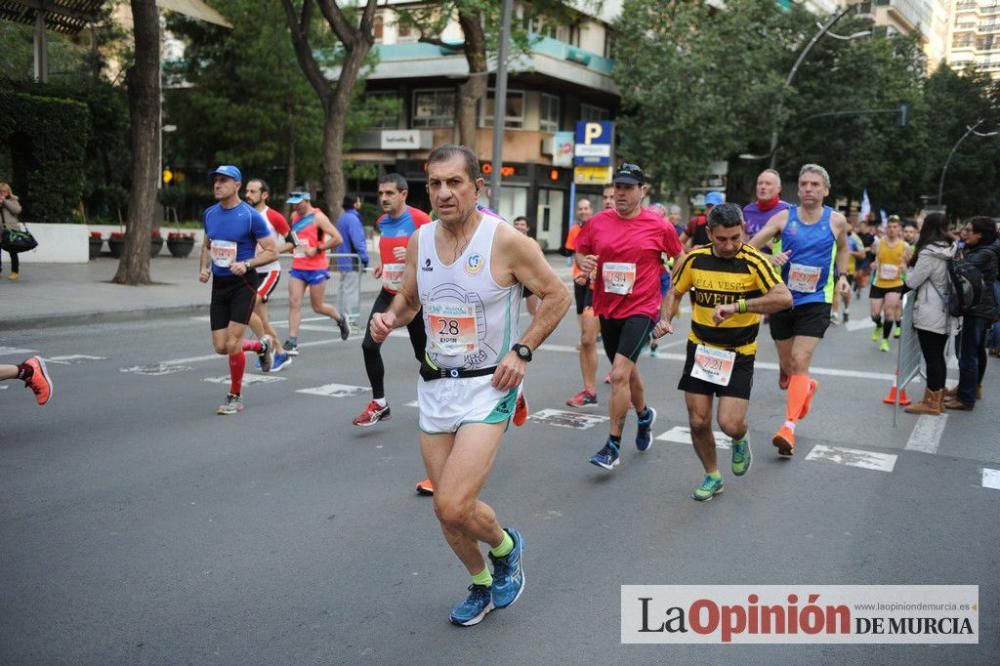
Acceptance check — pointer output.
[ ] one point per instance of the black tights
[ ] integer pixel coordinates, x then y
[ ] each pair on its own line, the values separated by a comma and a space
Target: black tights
15, 263
373, 350
932, 345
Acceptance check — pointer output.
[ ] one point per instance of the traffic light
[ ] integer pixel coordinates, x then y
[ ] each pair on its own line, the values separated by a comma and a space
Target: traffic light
904, 114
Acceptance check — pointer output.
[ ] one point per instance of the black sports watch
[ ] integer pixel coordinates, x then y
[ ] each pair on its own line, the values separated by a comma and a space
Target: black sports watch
523, 352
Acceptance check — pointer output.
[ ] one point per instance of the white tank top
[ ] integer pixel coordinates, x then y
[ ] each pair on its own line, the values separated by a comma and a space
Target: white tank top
471, 321
274, 265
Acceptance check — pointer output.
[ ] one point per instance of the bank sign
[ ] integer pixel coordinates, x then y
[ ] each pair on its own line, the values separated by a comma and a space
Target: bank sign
594, 142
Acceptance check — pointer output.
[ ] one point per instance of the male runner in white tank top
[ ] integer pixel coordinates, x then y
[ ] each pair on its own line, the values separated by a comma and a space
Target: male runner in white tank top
466, 271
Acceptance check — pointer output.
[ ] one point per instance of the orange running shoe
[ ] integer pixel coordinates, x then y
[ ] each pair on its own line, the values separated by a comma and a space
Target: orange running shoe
39, 381
425, 487
813, 385
521, 410
784, 439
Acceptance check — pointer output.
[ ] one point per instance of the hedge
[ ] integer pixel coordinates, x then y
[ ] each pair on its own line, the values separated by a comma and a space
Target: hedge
47, 139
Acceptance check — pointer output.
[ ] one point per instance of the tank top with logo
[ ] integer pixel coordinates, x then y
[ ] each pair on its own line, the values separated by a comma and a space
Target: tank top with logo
307, 234
471, 321
809, 269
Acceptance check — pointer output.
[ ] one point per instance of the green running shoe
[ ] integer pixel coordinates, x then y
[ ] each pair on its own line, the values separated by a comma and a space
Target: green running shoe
742, 456
708, 489
898, 331
877, 334
883, 346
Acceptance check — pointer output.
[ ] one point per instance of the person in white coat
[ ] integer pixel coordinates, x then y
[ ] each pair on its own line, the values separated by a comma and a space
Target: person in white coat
927, 275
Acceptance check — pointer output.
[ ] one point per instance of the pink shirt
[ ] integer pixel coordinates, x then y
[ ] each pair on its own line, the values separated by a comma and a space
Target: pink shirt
635, 245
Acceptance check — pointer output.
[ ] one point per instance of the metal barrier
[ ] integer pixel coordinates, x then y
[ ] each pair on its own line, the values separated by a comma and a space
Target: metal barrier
348, 269
909, 357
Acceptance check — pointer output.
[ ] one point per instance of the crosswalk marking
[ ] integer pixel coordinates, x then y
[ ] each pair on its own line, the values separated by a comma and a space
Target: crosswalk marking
564, 419
248, 378
156, 369
991, 478
10, 351
926, 435
682, 435
881, 462
73, 359
334, 390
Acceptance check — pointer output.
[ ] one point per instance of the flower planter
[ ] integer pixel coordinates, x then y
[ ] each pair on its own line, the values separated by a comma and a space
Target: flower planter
180, 247
96, 245
156, 246
116, 245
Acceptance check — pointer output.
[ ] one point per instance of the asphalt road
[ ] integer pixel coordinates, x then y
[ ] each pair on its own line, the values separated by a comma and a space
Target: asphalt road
138, 527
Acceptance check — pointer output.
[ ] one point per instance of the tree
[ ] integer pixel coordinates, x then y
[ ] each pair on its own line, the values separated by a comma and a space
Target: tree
356, 37
143, 82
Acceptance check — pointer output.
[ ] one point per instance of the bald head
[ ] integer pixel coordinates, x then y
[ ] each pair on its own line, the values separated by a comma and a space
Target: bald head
768, 185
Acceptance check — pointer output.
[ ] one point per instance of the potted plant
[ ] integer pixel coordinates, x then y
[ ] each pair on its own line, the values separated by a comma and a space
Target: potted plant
116, 242
180, 244
96, 244
157, 243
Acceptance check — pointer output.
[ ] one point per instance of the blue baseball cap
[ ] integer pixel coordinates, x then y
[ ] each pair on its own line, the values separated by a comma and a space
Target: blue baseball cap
714, 198
298, 197
227, 170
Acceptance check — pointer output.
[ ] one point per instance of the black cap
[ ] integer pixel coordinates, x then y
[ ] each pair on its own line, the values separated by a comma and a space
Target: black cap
630, 174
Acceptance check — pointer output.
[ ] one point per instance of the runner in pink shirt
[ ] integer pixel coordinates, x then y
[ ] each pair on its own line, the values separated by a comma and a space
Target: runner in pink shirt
624, 244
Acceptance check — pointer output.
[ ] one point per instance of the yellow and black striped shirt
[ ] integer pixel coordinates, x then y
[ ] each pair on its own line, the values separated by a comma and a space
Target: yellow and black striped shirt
718, 281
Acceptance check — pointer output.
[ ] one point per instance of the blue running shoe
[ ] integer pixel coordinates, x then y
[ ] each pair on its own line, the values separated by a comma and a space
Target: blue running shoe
476, 606
607, 457
708, 489
643, 437
282, 360
508, 573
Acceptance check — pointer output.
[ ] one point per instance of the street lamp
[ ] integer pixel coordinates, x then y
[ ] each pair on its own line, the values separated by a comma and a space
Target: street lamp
969, 129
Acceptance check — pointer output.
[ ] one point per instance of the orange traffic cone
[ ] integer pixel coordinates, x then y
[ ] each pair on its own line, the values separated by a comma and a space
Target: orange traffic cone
893, 396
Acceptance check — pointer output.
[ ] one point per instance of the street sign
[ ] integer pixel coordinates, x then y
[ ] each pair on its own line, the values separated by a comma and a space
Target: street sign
594, 142
592, 175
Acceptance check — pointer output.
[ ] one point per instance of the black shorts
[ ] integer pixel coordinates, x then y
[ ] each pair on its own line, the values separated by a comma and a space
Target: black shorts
740, 382
418, 334
626, 336
233, 298
584, 296
268, 283
880, 292
809, 320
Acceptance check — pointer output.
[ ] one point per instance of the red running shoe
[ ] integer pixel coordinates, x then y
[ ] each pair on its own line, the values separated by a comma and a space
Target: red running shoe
39, 382
373, 414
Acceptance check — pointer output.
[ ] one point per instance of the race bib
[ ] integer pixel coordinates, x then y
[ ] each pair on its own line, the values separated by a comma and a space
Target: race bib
453, 328
803, 279
618, 278
888, 271
223, 253
392, 276
713, 365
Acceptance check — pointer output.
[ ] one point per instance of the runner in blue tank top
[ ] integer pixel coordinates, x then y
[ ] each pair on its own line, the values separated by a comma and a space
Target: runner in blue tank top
814, 244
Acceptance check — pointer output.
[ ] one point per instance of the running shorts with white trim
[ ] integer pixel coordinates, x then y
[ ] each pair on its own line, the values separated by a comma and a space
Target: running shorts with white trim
626, 336
584, 296
233, 298
740, 381
808, 320
268, 284
448, 404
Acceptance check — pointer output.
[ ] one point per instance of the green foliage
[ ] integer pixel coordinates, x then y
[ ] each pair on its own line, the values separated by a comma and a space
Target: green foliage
47, 140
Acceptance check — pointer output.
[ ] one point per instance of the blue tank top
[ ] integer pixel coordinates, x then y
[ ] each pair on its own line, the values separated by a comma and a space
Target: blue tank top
809, 270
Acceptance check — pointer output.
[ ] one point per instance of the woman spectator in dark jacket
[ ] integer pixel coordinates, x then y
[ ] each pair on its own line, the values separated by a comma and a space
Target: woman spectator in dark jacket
979, 236
10, 208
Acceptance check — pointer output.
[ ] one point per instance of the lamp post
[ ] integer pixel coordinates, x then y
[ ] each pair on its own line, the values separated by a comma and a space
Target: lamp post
969, 129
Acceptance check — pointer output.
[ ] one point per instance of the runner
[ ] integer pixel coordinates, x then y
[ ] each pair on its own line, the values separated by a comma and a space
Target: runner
315, 234
625, 245
891, 254
258, 192
808, 233
696, 233
864, 263
584, 296
471, 267
855, 252
233, 230
34, 375
734, 284
767, 204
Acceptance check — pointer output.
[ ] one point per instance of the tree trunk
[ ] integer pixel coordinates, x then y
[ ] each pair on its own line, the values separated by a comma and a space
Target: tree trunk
334, 127
471, 92
143, 80
290, 171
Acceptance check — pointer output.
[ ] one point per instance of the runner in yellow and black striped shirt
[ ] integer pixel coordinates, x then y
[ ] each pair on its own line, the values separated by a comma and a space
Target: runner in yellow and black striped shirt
734, 284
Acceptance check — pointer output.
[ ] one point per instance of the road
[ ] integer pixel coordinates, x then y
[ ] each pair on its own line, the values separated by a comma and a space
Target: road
138, 527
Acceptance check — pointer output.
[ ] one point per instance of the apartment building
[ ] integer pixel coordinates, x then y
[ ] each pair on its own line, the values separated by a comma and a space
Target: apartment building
974, 36
928, 18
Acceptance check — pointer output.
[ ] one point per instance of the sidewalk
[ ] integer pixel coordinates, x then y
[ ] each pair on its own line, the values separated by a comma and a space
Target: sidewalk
69, 294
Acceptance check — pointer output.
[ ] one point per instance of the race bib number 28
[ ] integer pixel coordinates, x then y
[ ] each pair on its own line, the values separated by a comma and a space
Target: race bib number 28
452, 328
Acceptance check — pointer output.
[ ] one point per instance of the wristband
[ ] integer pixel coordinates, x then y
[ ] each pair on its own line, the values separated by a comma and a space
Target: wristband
742, 305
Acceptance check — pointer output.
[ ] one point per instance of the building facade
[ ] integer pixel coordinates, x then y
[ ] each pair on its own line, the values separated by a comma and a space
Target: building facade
974, 36
928, 18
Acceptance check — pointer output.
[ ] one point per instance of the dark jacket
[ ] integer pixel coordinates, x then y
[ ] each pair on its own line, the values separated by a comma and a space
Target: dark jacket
986, 258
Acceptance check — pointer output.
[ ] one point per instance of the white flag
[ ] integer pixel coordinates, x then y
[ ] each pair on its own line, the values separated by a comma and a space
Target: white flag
885, 216
866, 206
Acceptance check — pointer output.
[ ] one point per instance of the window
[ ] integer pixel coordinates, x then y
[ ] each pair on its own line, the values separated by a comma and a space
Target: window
609, 44
382, 109
514, 112
434, 108
589, 113
548, 115
378, 28
405, 33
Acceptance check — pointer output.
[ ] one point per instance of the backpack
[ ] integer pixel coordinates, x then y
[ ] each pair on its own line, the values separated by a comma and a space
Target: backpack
965, 287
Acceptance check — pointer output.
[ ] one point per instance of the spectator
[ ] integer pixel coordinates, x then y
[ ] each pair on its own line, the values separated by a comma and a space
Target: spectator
979, 237
994, 338
10, 208
928, 276
351, 227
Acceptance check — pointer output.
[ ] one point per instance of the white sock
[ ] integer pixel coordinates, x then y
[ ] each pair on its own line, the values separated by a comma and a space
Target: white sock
790, 425
381, 402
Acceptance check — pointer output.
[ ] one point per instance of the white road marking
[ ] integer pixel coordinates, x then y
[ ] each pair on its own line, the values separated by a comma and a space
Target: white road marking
859, 325
760, 365
156, 369
926, 435
881, 462
4, 387
334, 390
10, 351
564, 419
248, 378
991, 478
73, 359
682, 435
412, 403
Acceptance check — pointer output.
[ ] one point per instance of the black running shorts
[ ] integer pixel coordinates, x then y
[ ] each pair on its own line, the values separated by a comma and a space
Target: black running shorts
740, 381
233, 298
809, 320
584, 296
880, 292
626, 336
